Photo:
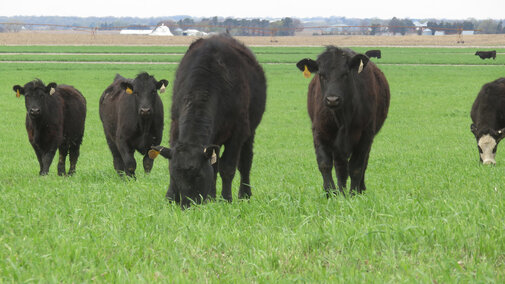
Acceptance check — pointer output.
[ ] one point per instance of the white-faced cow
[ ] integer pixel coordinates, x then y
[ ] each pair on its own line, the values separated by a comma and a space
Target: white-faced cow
55, 116
218, 99
488, 117
132, 116
348, 101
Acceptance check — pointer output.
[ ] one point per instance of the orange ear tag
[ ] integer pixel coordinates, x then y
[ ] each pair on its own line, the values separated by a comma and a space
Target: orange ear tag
17, 93
153, 154
129, 91
306, 72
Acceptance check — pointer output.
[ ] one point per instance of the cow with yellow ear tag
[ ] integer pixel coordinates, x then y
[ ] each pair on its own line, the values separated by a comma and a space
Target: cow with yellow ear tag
55, 116
347, 101
131, 111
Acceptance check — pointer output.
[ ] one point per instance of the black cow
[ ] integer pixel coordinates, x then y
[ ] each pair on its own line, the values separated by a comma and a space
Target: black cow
373, 53
132, 116
55, 116
218, 99
488, 117
348, 101
486, 54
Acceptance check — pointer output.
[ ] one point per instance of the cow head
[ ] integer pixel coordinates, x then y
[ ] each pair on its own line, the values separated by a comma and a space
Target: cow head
36, 96
191, 171
487, 142
144, 88
336, 71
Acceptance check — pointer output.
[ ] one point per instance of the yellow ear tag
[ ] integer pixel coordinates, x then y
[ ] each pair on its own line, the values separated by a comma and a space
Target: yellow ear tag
306, 72
153, 154
129, 91
17, 93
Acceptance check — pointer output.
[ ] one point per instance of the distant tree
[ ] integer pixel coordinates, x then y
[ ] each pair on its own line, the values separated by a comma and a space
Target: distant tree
375, 29
488, 26
499, 28
394, 25
186, 23
400, 26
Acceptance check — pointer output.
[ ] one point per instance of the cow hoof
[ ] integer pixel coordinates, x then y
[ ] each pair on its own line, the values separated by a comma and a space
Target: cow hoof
244, 194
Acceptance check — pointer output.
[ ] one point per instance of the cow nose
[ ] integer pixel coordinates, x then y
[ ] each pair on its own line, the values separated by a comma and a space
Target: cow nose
145, 111
489, 162
35, 111
332, 101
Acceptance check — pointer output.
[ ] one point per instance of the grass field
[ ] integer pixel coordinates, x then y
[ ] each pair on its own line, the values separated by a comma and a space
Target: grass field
431, 213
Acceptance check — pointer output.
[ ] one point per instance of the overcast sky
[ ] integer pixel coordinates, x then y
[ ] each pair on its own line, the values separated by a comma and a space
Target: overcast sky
383, 9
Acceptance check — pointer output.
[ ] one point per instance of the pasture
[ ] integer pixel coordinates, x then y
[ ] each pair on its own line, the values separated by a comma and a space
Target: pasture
431, 212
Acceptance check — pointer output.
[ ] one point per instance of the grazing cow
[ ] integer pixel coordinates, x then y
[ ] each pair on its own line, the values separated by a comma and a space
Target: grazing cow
132, 116
218, 99
373, 53
488, 117
348, 101
486, 54
55, 116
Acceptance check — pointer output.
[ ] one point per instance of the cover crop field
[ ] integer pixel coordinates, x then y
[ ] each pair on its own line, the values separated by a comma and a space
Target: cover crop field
431, 212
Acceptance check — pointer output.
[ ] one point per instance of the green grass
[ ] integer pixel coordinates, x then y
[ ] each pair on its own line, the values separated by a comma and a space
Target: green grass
390, 55
431, 211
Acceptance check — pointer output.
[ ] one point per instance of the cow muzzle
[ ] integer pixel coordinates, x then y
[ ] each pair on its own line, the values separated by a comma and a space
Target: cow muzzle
34, 112
333, 101
145, 111
489, 162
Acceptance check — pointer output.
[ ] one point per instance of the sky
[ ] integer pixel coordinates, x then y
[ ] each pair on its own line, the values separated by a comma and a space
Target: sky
382, 9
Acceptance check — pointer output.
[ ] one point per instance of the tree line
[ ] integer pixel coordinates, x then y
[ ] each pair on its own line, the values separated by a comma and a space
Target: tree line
238, 27
256, 27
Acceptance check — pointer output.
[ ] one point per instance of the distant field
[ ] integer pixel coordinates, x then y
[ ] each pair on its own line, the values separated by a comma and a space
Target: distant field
173, 54
107, 39
431, 213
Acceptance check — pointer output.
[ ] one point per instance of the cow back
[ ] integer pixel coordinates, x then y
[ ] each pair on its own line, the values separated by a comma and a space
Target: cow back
488, 109
222, 84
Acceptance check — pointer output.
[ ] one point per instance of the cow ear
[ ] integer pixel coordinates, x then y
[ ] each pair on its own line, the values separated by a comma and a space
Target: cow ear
501, 135
161, 85
212, 153
19, 90
307, 66
358, 62
156, 150
127, 87
51, 88
473, 128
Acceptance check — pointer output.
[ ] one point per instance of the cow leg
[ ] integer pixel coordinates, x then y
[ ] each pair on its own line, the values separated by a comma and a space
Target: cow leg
47, 159
358, 164
63, 151
38, 153
148, 164
129, 160
228, 166
325, 163
341, 171
362, 186
74, 156
244, 167
116, 157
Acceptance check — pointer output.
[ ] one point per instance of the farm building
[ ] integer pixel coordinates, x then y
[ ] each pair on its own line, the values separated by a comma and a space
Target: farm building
158, 31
